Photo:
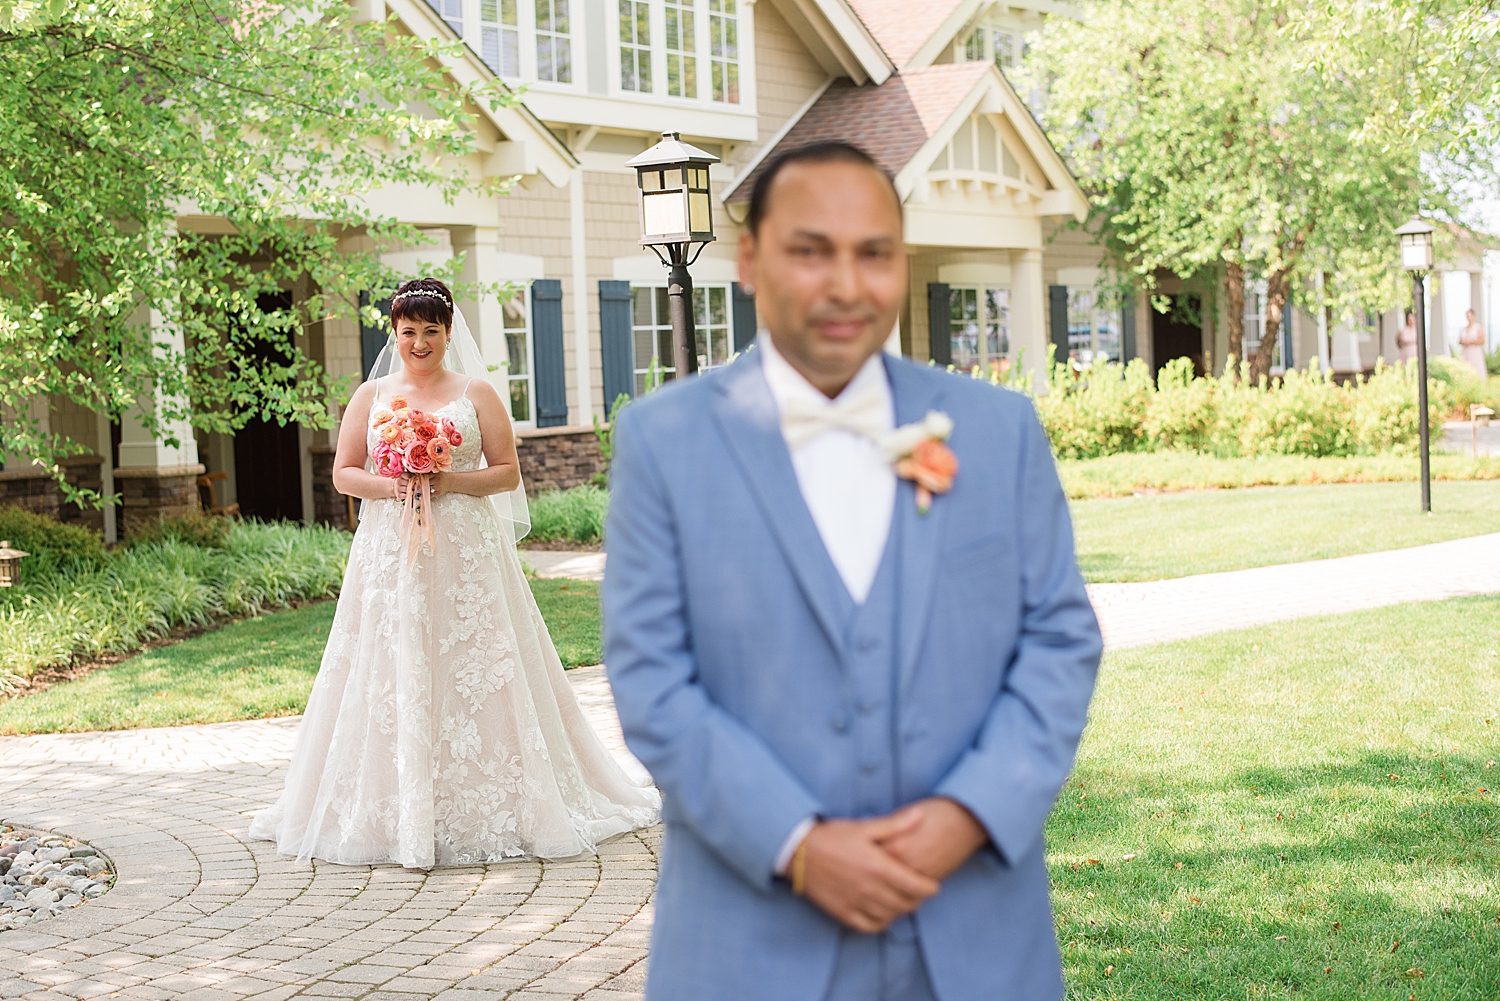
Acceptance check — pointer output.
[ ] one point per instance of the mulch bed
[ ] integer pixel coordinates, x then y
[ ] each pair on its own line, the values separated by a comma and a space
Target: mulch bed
561, 546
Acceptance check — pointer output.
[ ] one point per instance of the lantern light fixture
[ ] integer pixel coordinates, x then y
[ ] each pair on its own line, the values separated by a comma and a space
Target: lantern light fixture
1416, 246
675, 204
10, 564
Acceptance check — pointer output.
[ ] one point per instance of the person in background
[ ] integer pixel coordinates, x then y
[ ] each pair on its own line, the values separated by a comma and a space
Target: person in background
1471, 343
1406, 338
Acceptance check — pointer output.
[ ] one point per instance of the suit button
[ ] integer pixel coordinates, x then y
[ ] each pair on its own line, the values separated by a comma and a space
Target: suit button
870, 767
840, 723
867, 644
866, 706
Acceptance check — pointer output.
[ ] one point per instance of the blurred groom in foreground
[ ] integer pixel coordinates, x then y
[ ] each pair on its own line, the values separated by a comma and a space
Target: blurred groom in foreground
846, 635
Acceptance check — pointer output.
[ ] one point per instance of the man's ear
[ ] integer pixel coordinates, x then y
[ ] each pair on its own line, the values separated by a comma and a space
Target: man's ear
746, 258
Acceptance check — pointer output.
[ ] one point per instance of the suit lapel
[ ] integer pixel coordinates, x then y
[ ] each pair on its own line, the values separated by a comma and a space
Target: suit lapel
919, 535
748, 419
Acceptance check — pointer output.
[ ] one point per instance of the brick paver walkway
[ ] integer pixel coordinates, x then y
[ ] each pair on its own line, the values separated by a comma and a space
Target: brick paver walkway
199, 914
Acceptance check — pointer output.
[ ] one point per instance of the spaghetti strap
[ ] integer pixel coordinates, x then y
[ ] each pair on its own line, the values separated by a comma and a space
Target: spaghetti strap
377, 388
465, 393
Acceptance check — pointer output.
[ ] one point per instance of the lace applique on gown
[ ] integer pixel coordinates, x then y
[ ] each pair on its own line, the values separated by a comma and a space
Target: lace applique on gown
441, 728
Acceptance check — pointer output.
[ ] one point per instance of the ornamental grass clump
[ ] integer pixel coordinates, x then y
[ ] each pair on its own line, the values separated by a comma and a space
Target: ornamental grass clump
145, 591
575, 515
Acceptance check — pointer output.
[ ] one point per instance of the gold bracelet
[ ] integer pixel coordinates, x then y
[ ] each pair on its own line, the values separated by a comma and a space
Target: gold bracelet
798, 869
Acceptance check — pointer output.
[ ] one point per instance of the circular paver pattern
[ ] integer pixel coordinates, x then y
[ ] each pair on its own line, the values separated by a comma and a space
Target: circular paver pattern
200, 914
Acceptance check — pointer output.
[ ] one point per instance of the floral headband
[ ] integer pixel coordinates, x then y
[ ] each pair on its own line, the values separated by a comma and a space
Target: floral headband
422, 291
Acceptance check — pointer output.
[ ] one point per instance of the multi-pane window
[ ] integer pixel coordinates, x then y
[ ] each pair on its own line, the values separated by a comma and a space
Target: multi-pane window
1093, 325
1003, 43
452, 11
974, 46
651, 332
635, 45
518, 345
554, 44
682, 46
979, 327
499, 37
724, 50
1255, 327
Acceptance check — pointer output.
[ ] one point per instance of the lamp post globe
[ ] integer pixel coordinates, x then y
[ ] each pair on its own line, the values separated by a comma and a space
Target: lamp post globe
1416, 258
676, 215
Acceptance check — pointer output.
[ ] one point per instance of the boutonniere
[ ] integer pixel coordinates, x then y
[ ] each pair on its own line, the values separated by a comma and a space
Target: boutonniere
919, 453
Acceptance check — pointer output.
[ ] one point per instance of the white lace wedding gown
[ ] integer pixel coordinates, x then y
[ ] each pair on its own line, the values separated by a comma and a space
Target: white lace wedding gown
441, 728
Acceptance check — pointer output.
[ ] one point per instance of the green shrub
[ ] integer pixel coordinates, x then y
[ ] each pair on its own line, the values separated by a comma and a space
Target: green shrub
196, 529
576, 514
1108, 409
143, 592
54, 547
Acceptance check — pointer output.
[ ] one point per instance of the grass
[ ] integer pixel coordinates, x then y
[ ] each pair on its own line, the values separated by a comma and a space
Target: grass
1311, 808
250, 669
1174, 535
1129, 473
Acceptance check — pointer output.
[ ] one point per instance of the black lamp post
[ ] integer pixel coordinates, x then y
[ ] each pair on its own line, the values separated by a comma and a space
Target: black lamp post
1416, 257
676, 213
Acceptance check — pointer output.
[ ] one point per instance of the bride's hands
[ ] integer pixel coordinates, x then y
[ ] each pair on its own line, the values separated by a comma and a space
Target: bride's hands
406, 483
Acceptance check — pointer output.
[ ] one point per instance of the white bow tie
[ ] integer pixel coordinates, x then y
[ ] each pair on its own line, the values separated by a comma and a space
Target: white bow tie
865, 413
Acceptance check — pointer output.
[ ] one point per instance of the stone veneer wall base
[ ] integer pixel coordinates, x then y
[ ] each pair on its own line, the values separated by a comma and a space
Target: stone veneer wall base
35, 490
148, 494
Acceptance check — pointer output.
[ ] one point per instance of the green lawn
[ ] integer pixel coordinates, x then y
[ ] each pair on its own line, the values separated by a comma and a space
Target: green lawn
1309, 810
1174, 535
249, 669
1126, 474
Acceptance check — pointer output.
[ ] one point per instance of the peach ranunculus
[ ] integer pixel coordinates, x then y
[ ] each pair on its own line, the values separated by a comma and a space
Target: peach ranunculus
406, 437
398, 402
391, 433
383, 418
442, 453
415, 417
418, 457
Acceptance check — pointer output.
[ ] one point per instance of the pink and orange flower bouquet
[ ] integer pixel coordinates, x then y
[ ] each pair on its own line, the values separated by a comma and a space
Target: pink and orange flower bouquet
415, 442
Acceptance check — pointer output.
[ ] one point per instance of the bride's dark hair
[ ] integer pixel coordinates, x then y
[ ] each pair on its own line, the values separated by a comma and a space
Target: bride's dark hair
423, 299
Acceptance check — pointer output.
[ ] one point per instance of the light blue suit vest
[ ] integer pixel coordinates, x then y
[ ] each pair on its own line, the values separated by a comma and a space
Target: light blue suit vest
756, 693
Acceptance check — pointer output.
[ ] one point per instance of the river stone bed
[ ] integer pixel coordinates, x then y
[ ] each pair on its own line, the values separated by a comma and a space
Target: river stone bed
42, 875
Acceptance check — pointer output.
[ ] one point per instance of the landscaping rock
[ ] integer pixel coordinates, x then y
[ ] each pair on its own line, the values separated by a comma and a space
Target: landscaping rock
44, 875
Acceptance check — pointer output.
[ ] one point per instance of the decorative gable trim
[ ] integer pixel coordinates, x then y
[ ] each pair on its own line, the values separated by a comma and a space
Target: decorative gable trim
837, 39
529, 146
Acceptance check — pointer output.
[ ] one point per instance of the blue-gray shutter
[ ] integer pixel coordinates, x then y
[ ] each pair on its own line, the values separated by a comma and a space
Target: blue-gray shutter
1057, 302
550, 371
615, 351
939, 324
372, 339
743, 317
1127, 330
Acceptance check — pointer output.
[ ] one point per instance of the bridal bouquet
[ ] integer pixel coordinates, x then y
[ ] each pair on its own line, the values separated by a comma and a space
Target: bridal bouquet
417, 443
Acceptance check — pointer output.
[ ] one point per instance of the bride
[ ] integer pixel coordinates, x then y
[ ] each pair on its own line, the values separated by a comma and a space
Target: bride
441, 728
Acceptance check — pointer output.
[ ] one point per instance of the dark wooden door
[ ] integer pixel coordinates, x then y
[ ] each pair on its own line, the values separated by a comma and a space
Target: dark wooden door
1178, 333
267, 455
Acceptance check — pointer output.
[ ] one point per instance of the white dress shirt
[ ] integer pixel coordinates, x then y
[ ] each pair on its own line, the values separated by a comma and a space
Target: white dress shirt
848, 486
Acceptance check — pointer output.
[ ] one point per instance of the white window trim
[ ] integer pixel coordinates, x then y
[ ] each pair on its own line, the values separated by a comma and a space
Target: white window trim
526, 32
980, 289
745, 31
530, 377
667, 364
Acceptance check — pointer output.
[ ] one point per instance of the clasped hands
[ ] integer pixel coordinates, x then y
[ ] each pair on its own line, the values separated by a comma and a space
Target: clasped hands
868, 873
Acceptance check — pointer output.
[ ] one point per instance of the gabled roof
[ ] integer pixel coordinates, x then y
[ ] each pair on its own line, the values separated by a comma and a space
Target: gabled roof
903, 27
837, 38
891, 122
905, 123
544, 152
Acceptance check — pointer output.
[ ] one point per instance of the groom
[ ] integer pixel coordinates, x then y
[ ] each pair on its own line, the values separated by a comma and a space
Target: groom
859, 714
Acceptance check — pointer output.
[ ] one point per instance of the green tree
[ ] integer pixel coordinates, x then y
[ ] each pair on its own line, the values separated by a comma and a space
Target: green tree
1268, 137
268, 122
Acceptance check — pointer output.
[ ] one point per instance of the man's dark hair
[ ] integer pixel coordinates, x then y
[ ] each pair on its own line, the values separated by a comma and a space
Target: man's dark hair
829, 151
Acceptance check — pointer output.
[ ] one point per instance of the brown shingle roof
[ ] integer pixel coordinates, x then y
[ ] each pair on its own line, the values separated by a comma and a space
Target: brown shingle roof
890, 122
901, 27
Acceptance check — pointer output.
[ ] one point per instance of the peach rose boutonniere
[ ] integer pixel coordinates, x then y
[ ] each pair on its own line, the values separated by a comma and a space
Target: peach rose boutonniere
919, 453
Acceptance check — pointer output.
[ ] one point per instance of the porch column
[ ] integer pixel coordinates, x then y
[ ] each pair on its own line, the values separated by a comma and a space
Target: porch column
480, 246
1028, 314
1476, 303
583, 409
1437, 325
155, 478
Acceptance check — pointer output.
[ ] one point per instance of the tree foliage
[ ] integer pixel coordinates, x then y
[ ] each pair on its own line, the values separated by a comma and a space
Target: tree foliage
263, 126
1275, 139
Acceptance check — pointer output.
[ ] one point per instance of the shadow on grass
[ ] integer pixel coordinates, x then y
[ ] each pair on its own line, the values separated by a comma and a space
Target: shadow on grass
1323, 881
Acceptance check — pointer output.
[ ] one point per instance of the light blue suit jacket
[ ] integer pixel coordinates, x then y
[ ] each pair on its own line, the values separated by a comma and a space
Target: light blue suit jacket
727, 662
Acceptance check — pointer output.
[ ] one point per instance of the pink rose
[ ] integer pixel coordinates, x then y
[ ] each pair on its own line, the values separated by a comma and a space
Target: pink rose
441, 452
416, 417
418, 458
398, 402
406, 437
426, 431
